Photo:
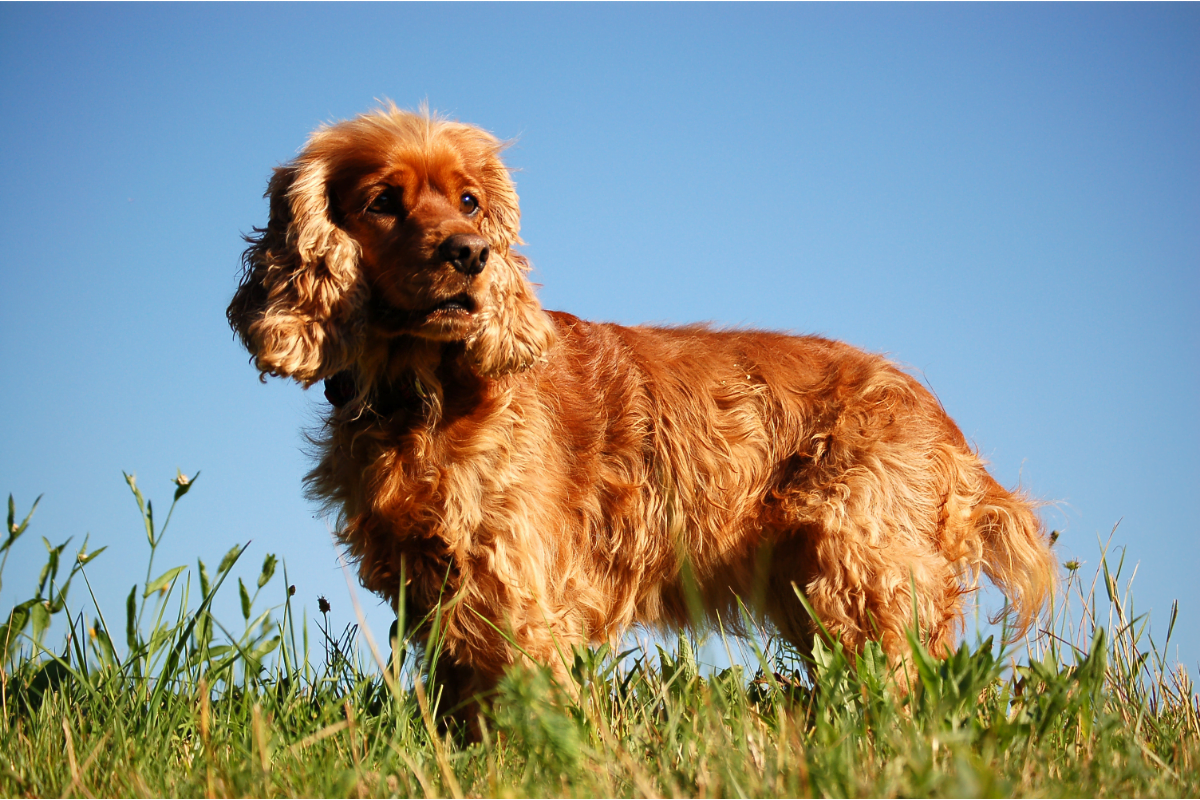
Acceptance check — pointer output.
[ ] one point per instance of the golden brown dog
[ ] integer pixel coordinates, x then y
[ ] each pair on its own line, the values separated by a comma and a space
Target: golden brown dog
545, 481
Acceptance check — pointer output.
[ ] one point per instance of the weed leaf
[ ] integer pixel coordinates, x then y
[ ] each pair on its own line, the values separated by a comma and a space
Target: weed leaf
161, 581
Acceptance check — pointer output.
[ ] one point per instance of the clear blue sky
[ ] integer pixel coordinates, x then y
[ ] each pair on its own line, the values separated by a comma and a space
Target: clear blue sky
1004, 198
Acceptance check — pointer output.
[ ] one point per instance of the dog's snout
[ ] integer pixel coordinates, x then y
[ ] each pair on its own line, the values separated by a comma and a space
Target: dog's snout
466, 252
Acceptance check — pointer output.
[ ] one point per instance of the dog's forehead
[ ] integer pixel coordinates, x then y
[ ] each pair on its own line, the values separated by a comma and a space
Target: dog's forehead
412, 166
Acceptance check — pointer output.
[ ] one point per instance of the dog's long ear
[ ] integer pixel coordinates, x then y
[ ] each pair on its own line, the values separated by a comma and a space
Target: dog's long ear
295, 310
514, 332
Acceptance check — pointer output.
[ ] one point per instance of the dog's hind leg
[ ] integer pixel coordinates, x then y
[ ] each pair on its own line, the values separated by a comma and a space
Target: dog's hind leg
864, 552
862, 593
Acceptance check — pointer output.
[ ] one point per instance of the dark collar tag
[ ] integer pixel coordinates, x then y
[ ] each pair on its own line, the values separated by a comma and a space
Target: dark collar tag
340, 390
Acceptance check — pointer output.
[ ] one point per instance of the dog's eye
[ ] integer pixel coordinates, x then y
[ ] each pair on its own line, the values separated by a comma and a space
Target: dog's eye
468, 204
387, 202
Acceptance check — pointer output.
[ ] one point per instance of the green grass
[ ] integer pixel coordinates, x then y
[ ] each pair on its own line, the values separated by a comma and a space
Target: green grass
158, 698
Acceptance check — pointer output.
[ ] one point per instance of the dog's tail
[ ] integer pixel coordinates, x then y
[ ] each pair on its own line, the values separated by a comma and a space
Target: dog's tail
1016, 554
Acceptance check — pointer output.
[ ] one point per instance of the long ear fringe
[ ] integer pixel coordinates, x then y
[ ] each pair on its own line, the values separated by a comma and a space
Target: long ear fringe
296, 309
515, 333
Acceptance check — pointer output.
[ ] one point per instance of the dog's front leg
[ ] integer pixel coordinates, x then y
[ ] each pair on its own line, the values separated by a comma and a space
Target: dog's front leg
454, 699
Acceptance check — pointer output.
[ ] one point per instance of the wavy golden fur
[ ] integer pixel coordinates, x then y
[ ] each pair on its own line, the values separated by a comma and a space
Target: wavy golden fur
560, 480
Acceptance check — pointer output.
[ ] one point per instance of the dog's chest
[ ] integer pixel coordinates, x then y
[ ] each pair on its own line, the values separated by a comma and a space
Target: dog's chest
456, 484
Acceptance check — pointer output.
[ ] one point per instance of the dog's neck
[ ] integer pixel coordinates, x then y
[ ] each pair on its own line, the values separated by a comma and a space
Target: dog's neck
407, 377
386, 399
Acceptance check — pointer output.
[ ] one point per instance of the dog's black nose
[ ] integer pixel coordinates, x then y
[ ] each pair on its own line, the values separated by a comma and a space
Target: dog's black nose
466, 252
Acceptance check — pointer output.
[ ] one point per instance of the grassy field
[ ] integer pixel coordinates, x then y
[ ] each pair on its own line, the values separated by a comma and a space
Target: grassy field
158, 698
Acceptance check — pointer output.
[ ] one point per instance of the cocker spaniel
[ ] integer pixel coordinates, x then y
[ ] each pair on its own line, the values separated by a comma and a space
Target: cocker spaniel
542, 481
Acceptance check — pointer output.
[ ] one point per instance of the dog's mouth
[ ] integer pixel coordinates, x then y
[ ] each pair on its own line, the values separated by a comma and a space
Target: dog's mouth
390, 319
459, 304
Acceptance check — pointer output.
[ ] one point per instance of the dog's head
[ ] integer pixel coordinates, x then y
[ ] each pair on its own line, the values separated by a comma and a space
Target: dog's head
389, 225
